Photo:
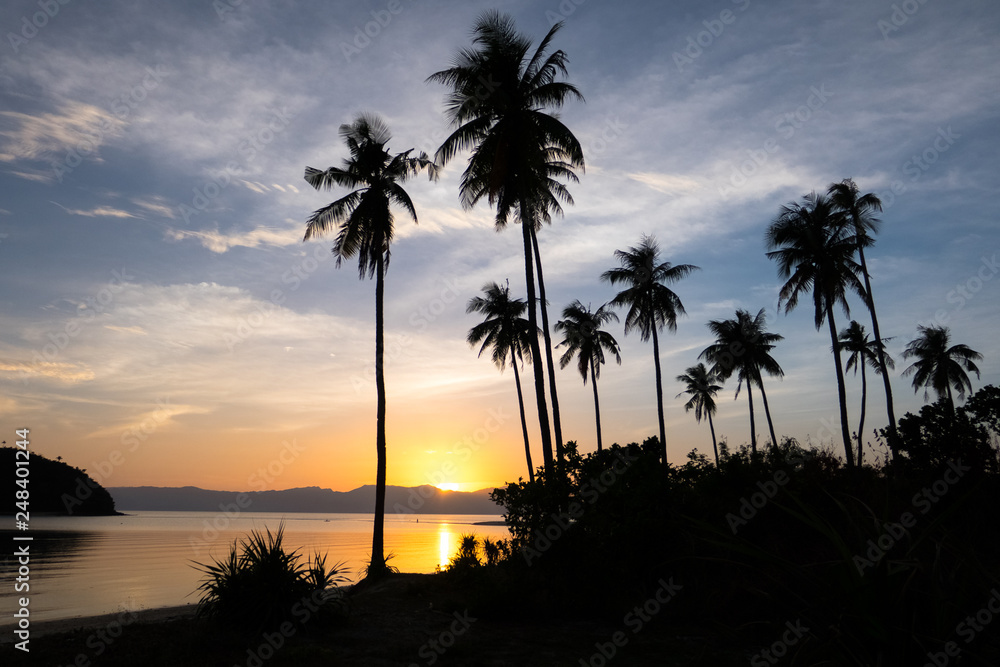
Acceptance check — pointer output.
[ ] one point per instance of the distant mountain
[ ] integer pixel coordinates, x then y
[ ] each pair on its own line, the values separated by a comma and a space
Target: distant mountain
424, 499
50, 487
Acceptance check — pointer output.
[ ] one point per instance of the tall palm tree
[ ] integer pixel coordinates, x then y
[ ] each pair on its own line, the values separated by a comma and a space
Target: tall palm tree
938, 366
583, 337
814, 247
743, 346
700, 382
862, 353
651, 304
499, 92
860, 210
363, 221
509, 336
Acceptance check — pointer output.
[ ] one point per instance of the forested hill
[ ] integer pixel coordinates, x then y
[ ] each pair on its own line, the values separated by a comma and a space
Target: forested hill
53, 487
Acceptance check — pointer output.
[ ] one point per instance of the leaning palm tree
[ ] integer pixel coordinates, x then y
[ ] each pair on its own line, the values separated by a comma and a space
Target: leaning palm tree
938, 366
814, 247
583, 337
363, 222
499, 92
508, 335
860, 210
700, 382
651, 304
743, 346
862, 353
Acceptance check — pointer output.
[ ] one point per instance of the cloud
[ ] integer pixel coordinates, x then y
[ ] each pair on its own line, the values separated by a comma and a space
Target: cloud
72, 126
220, 242
667, 183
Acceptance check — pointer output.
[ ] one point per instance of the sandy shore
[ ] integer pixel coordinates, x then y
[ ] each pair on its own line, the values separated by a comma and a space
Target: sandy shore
58, 625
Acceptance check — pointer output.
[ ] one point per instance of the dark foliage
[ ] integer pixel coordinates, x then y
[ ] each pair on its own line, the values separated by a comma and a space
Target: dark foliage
54, 487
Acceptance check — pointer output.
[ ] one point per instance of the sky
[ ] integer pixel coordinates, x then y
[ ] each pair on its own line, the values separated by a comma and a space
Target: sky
165, 324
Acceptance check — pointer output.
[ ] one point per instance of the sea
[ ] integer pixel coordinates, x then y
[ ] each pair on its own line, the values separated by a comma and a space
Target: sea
85, 566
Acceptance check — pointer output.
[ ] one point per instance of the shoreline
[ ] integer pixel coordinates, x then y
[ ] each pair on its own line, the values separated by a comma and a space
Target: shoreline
74, 623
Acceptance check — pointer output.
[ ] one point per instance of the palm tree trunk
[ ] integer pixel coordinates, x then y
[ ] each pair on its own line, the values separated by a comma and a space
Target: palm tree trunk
715, 447
753, 426
659, 397
556, 422
841, 389
951, 399
377, 566
597, 403
767, 413
861, 422
524, 423
890, 411
536, 356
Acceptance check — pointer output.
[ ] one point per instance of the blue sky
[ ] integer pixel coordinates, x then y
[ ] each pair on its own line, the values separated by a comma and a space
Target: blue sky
165, 324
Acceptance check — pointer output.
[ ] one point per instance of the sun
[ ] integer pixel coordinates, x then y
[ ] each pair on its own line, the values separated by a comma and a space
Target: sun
450, 486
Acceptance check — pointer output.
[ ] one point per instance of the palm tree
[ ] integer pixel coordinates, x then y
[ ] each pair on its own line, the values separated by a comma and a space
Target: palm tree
509, 335
363, 221
651, 304
861, 210
583, 337
497, 105
701, 387
814, 249
938, 366
742, 345
863, 352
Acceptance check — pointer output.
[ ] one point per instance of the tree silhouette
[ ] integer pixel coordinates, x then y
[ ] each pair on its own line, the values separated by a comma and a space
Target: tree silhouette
584, 339
814, 248
938, 366
508, 335
651, 304
860, 210
363, 222
863, 352
497, 101
700, 382
743, 346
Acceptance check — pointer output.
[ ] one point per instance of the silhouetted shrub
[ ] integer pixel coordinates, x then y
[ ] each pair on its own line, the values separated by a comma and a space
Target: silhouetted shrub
259, 586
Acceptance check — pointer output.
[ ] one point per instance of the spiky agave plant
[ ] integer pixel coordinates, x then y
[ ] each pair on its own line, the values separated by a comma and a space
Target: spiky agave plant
259, 585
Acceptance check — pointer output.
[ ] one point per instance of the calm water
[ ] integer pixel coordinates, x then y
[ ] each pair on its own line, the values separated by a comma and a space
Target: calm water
81, 566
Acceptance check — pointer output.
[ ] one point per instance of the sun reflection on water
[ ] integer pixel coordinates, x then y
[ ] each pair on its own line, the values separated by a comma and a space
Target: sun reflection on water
445, 546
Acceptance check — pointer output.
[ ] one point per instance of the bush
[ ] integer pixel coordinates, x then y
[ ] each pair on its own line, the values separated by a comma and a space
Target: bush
259, 586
